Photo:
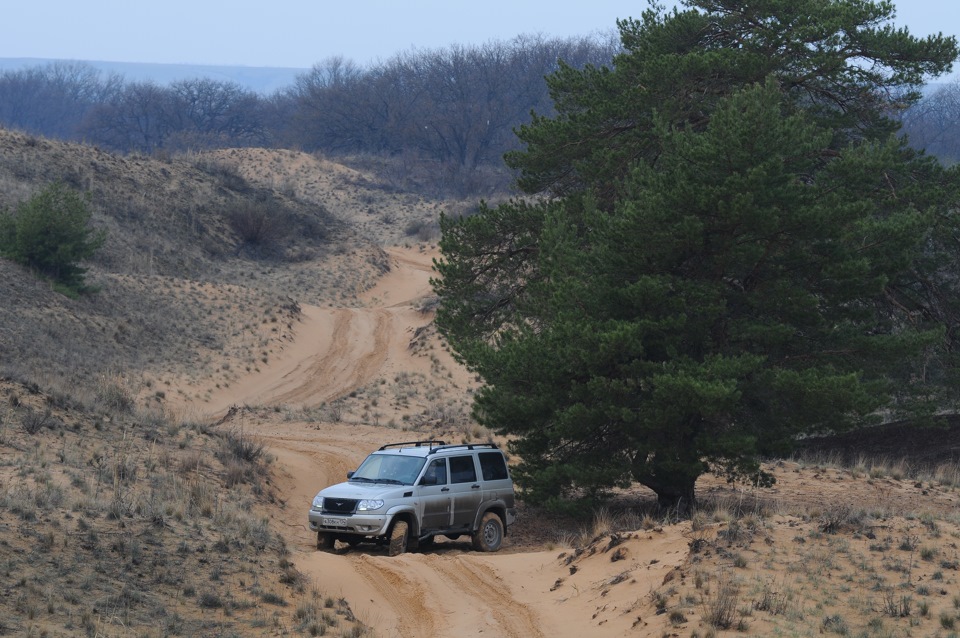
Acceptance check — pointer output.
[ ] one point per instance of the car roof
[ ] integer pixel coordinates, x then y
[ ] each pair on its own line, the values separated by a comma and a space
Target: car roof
427, 448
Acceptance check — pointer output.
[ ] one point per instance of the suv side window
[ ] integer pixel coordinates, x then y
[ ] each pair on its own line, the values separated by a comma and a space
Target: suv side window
462, 469
492, 466
436, 473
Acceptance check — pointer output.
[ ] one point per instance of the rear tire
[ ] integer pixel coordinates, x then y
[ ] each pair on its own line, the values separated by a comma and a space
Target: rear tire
399, 536
326, 541
489, 535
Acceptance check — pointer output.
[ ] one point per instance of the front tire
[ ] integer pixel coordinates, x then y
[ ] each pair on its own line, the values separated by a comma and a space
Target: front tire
399, 536
326, 541
489, 536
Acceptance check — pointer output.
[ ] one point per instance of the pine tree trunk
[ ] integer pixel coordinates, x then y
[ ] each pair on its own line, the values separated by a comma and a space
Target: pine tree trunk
678, 495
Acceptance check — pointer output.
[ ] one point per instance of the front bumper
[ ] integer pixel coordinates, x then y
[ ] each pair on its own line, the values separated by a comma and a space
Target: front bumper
358, 524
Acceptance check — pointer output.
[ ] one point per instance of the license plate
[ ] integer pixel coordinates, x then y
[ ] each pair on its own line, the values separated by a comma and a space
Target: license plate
334, 522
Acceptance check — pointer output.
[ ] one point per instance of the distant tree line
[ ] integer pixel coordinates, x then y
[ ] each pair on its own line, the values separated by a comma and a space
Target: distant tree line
449, 114
439, 120
76, 102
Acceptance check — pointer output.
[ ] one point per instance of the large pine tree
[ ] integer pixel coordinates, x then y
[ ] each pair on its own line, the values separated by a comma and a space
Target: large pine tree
731, 248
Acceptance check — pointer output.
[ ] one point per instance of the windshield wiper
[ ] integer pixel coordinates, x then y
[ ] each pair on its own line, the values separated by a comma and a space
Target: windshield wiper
390, 480
362, 478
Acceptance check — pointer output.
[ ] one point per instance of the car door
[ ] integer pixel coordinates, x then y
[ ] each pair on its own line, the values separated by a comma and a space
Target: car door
435, 498
497, 485
465, 491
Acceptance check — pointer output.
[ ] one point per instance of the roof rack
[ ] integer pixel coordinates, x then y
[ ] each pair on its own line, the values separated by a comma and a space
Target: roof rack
468, 446
432, 444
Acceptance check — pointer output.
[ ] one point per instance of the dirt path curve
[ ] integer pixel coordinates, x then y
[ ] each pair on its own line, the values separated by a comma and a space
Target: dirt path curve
448, 590
354, 355
337, 350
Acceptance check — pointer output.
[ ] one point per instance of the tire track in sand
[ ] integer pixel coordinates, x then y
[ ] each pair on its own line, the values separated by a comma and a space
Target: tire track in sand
449, 596
358, 349
336, 351
406, 597
481, 583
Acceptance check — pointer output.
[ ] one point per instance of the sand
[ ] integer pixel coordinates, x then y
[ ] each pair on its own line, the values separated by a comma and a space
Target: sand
449, 590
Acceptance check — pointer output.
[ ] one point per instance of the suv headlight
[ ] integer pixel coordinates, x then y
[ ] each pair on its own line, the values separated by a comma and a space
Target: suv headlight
318, 503
368, 504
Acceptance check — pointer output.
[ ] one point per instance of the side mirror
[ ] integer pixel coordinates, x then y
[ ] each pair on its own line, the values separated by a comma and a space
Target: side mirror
349, 474
428, 480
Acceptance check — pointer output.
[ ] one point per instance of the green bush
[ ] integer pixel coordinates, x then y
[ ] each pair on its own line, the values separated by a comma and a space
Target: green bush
51, 233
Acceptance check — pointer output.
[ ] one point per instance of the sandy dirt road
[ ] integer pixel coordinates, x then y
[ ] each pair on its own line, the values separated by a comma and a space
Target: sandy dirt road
337, 350
451, 590
448, 590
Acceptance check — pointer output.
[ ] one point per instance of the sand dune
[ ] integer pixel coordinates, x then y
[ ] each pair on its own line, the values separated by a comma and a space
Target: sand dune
449, 590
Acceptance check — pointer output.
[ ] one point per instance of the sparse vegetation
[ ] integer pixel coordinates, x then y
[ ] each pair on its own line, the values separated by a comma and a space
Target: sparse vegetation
145, 509
125, 510
261, 226
104, 499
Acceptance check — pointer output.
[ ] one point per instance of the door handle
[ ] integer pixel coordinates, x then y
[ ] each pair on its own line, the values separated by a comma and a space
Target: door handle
444, 489
475, 486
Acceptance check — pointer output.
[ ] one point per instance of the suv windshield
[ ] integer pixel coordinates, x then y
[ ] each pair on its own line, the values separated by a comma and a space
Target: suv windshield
389, 468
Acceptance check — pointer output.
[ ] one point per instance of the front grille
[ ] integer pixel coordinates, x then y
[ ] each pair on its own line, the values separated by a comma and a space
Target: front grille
339, 505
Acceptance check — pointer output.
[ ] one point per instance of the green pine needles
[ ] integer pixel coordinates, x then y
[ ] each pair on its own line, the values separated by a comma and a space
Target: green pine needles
731, 249
51, 233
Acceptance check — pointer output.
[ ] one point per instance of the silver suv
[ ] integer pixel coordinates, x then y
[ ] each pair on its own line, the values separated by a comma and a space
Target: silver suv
406, 494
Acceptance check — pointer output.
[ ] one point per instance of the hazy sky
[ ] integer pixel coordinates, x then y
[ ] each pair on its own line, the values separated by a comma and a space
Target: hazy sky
299, 33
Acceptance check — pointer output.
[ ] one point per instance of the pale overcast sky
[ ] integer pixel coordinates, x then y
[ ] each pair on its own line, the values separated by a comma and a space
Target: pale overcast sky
299, 33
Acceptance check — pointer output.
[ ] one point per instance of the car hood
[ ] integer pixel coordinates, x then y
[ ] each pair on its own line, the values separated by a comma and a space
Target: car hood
365, 490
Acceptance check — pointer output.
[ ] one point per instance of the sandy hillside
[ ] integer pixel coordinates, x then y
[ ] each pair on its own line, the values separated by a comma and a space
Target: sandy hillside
797, 559
136, 498
337, 350
449, 591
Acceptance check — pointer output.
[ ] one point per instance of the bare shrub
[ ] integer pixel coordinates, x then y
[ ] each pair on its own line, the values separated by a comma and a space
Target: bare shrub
836, 624
896, 605
423, 230
720, 610
193, 461
32, 421
236, 473
113, 394
242, 456
771, 601
227, 174
736, 532
838, 517
210, 600
241, 447
335, 410
260, 225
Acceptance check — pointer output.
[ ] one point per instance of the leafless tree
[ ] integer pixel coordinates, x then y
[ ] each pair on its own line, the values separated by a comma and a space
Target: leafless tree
933, 124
